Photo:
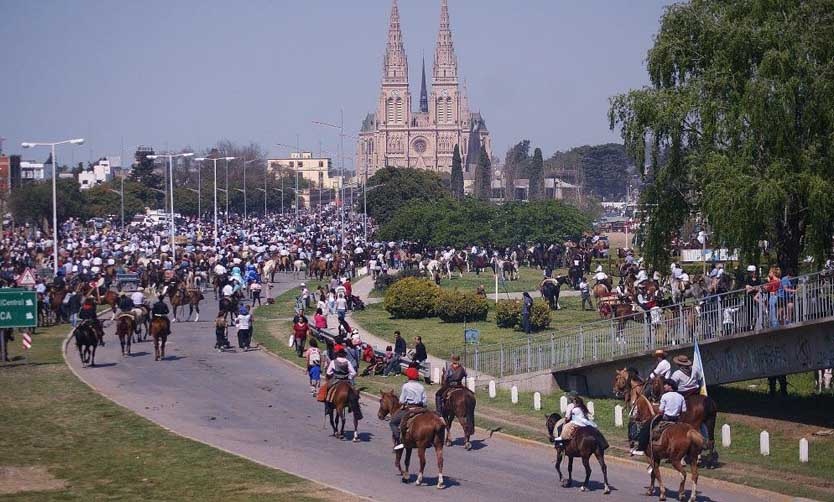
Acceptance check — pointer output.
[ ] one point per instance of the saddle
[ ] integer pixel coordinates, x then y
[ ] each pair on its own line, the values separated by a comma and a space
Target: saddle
331, 389
659, 427
412, 413
126, 314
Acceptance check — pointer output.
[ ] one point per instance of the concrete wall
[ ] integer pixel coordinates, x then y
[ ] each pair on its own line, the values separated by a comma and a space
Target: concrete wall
798, 348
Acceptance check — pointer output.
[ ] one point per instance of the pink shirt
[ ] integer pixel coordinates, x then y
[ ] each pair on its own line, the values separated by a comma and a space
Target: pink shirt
320, 321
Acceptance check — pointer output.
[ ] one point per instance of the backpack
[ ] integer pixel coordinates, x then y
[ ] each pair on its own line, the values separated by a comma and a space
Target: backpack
314, 356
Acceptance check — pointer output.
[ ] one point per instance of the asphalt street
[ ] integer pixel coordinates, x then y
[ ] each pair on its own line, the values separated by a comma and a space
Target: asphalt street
257, 406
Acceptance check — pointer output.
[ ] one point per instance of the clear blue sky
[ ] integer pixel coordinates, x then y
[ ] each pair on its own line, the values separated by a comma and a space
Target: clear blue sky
171, 74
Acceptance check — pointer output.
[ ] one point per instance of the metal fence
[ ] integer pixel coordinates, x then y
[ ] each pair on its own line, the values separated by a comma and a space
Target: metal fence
810, 297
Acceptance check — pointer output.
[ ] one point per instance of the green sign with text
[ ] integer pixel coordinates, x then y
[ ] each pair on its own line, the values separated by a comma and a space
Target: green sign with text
18, 309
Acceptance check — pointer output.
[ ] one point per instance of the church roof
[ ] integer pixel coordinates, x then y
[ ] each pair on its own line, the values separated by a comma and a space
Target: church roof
368, 123
478, 122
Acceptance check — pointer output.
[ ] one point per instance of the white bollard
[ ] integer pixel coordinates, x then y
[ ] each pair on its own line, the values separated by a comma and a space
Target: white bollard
618, 416
514, 394
563, 404
435, 375
470, 383
803, 450
537, 401
492, 389
764, 443
726, 440
590, 406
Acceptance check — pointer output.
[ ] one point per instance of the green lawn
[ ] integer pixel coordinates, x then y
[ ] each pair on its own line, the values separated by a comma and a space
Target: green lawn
442, 338
87, 448
529, 279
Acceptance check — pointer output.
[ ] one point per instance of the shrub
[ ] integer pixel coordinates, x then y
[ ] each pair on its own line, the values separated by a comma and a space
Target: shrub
384, 281
411, 298
455, 306
410, 272
508, 314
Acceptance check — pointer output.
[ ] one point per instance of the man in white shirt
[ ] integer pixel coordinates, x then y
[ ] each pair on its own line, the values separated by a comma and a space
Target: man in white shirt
600, 276
660, 373
412, 398
138, 298
672, 404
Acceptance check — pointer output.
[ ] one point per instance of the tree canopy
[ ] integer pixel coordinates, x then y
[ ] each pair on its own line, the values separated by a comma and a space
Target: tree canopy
457, 174
482, 187
601, 169
739, 121
471, 221
398, 186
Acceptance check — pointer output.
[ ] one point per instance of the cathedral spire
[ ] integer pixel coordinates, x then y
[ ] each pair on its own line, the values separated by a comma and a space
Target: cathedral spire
445, 61
424, 97
396, 64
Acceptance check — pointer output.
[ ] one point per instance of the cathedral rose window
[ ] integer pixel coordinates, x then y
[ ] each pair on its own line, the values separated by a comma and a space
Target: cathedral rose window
420, 145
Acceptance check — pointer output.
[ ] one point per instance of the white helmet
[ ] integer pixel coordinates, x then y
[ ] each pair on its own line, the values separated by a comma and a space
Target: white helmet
751, 268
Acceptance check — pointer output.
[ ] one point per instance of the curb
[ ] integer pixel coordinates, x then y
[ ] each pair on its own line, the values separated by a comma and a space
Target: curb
196, 440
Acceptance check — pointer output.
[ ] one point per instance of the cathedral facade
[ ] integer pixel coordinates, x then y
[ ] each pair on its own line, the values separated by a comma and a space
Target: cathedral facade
395, 135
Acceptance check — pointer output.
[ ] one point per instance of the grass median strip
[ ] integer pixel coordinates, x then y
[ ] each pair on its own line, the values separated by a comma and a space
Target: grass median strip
64, 441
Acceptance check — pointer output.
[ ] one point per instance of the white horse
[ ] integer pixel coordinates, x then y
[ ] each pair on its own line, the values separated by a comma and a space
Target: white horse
298, 268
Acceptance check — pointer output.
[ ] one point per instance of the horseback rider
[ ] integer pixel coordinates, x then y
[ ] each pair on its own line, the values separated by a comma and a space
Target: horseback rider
576, 416
644, 301
687, 382
453, 378
663, 371
88, 315
340, 368
600, 276
125, 304
160, 310
412, 401
138, 298
672, 406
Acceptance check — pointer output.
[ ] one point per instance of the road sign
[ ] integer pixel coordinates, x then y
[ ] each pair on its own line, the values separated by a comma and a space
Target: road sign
471, 335
18, 309
26, 279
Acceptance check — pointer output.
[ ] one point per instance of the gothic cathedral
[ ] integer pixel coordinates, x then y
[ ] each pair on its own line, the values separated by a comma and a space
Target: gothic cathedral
396, 136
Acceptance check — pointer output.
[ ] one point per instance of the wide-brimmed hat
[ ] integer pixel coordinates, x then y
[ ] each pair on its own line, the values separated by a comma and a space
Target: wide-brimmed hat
659, 353
682, 360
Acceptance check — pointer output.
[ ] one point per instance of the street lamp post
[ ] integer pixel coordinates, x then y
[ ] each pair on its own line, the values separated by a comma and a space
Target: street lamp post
32, 144
122, 196
171, 188
244, 184
264, 190
214, 161
295, 168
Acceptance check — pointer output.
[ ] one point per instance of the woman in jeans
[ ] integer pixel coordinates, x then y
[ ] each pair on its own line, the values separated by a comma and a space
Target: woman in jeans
772, 287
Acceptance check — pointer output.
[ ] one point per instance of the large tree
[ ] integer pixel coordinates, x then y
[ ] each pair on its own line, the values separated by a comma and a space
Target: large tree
482, 186
457, 174
535, 175
601, 169
739, 121
515, 165
398, 186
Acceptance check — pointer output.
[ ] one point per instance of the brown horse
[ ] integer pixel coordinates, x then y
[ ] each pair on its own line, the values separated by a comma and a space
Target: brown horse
178, 301
160, 330
701, 411
585, 442
509, 270
125, 325
317, 268
56, 301
678, 442
601, 291
460, 403
456, 262
193, 297
340, 397
111, 298
425, 430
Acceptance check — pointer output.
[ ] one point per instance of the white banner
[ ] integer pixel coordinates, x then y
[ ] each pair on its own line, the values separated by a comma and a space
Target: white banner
697, 255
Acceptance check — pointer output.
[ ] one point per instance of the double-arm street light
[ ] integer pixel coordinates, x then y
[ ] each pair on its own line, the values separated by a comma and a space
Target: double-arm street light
214, 161
264, 190
32, 144
171, 188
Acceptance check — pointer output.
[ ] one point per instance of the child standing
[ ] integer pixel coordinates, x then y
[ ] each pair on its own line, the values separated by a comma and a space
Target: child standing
255, 288
586, 294
313, 356
221, 340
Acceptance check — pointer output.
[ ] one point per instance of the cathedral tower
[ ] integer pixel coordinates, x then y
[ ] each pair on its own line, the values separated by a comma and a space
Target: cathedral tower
444, 87
395, 100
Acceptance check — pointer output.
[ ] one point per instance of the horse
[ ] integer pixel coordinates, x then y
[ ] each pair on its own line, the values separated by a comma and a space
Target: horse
679, 441
480, 263
193, 297
159, 332
550, 289
87, 338
178, 300
601, 290
456, 263
585, 442
460, 403
509, 269
56, 301
701, 411
111, 298
229, 306
141, 318
425, 430
125, 325
343, 396
317, 269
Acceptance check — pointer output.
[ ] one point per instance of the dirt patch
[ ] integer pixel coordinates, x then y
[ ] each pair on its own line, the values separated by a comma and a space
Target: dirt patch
28, 479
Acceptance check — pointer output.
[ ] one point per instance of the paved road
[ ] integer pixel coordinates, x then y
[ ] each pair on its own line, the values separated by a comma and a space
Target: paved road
252, 404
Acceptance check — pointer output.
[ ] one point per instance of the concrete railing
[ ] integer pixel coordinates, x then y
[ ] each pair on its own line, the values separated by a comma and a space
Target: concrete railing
706, 319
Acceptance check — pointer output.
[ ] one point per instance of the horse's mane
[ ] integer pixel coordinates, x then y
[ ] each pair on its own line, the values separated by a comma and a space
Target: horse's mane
634, 374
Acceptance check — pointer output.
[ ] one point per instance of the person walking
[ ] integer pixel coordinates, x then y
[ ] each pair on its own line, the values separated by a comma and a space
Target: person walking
244, 328
585, 291
526, 308
255, 288
313, 357
341, 306
320, 320
300, 330
220, 334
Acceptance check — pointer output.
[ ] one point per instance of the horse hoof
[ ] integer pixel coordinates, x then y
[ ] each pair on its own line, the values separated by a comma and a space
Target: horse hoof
467, 446
404, 481
582, 488
355, 439
607, 491
440, 486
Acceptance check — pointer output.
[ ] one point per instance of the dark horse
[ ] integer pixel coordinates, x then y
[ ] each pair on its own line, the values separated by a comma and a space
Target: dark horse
550, 288
160, 329
585, 442
125, 326
701, 411
340, 397
460, 404
87, 338
229, 306
425, 430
